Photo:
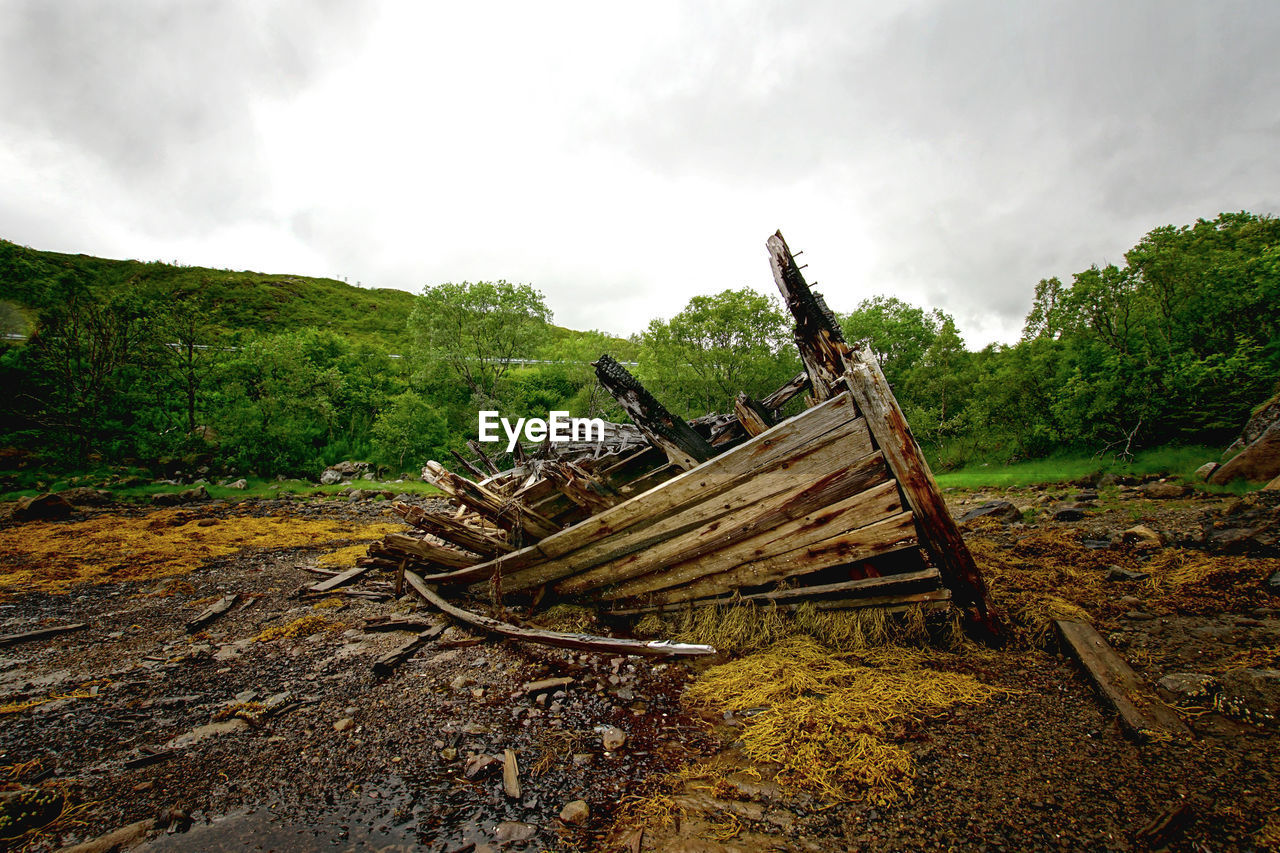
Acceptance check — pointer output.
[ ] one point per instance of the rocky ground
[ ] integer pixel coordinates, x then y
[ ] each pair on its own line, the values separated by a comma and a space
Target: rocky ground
270, 729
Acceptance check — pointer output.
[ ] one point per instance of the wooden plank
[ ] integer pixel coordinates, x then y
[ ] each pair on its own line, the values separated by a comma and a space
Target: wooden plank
754, 418
387, 663
677, 439
41, 633
582, 642
859, 585
859, 510
861, 543
939, 534
483, 457
213, 611
890, 603
339, 580
772, 499
488, 543
437, 555
473, 470
817, 334
797, 386
689, 488
807, 477
1143, 714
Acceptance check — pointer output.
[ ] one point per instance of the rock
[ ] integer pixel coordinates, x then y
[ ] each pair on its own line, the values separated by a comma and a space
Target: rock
514, 830
329, 476
449, 754
1142, 538
1087, 496
1273, 584
1260, 461
1252, 695
575, 812
242, 483
42, 508
1205, 471
1115, 573
1164, 491
1069, 513
184, 497
1095, 544
481, 765
235, 724
345, 724
1273, 486
1002, 510
613, 738
85, 496
1187, 686
1262, 418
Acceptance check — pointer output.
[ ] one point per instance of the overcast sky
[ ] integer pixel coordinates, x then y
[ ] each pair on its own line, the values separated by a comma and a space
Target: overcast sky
622, 158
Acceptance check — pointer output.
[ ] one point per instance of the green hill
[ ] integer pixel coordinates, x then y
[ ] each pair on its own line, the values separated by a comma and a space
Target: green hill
260, 302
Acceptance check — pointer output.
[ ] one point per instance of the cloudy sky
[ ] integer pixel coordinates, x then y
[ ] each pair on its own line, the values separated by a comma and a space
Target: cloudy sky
622, 158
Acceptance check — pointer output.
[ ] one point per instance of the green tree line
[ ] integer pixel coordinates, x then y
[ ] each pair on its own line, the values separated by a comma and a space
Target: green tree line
164, 367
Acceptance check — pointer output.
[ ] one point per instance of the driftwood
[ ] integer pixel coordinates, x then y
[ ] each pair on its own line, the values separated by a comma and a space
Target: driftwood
1143, 714
753, 416
581, 642
506, 513
212, 612
510, 774
389, 662
817, 334
40, 633
486, 541
341, 579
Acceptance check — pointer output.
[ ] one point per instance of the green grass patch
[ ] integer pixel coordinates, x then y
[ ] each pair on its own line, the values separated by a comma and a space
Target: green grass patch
256, 488
1061, 468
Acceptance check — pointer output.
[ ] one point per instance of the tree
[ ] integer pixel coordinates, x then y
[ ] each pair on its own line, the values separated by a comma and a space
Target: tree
478, 329
897, 332
718, 346
408, 428
187, 348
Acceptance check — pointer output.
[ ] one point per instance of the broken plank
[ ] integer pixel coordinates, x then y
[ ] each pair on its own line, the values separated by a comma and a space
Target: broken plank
1143, 714
389, 662
754, 417
581, 642
859, 585
546, 684
473, 470
506, 512
339, 580
939, 534
41, 633
213, 611
861, 543
438, 555
510, 774
488, 542
397, 623
817, 334
797, 386
683, 446
889, 603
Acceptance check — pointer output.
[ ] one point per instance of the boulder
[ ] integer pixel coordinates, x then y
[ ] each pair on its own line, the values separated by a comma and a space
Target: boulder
1263, 417
239, 484
1189, 686
42, 508
1002, 510
1069, 513
1205, 471
1142, 537
1250, 694
1164, 491
85, 496
1260, 461
1273, 486
329, 476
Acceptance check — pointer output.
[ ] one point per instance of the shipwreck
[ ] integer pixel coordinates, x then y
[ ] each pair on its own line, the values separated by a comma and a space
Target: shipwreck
835, 507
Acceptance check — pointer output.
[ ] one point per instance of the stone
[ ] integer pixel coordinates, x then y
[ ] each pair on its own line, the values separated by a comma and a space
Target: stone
1164, 491
1260, 461
613, 738
186, 496
1273, 486
42, 507
345, 724
1273, 584
329, 477
514, 830
1002, 510
575, 812
1250, 694
85, 496
481, 765
1142, 538
1187, 686
235, 724
240, 484
1069, 513
1115, 573
1205, 471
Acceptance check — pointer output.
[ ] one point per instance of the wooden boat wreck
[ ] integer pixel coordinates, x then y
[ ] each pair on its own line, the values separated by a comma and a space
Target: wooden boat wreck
834, 506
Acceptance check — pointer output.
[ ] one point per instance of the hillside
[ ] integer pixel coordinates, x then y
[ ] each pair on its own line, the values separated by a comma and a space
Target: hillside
259, 302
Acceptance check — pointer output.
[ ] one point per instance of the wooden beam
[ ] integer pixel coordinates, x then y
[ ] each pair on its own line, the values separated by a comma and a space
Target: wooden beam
488, 542
213, 611
582, 642
890, 603
1143, 714
474, 471
40, 633
754, 417
387, 663
340, 579
437, 555
817, 334
794, 388
939, 534
677, 439
493, 469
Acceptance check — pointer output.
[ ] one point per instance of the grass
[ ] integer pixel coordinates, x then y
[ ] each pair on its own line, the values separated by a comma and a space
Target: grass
1164, 461
257, 487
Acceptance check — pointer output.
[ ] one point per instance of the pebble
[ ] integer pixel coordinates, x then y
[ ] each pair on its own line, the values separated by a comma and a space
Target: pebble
575, 812
613, 738
344, 724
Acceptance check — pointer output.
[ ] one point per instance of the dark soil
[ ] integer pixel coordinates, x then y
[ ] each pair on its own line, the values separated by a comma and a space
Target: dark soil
1045, 769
